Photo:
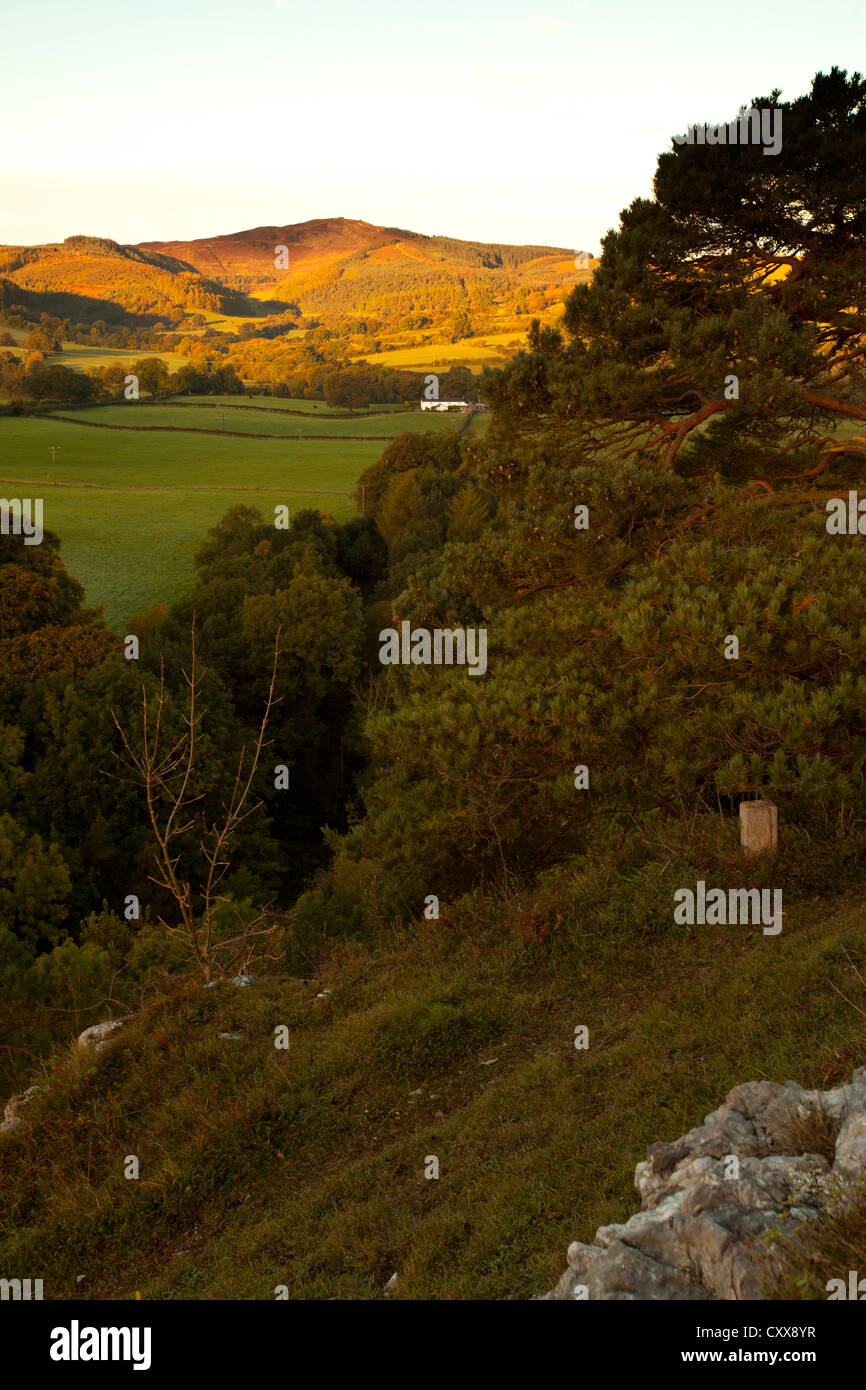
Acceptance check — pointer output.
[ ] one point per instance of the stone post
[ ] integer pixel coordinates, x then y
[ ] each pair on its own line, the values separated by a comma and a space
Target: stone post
759, 827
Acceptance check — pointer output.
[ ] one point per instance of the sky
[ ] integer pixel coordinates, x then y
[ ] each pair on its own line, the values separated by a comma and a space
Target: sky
180, 119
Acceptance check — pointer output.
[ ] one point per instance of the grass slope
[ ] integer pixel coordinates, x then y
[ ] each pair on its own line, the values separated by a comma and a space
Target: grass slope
124, 278
77, 357
132, 505
474, 353
306, 1167
132, 544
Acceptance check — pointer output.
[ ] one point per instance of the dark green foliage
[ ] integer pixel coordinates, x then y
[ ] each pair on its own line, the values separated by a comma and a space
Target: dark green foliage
252, 580
405, 453
735, 270
606, 645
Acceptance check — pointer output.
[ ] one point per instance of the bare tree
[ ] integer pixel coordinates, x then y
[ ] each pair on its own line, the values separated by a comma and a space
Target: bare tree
167, 776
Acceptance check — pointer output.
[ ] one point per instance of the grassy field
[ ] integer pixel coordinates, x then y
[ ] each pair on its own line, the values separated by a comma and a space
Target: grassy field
133, 415
132, 506
230, 323
77, 357
306, 1167
474, 353
293, 404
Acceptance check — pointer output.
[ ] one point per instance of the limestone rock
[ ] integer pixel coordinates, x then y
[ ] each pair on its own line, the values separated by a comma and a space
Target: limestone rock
710, 1197
98, 1035
11, 1118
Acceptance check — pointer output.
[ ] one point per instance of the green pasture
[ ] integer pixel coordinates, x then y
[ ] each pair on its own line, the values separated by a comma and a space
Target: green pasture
77, 357
131, 507
137, 416
489, 351
290, 403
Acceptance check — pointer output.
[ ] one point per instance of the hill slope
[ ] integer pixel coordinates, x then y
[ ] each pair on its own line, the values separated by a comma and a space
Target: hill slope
311, 244
306, 1167
328, 241
344, 274
92, 277
339, 266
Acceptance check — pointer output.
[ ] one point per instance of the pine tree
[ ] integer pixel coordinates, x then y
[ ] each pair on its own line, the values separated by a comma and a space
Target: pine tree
724, 330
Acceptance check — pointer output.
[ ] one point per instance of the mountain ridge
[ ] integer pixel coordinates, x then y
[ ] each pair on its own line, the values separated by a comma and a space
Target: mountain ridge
318, 242
344, 274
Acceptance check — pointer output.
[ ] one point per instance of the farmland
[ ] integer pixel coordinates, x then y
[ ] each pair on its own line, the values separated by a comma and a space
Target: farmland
131, 506
475, 353
238, 420
79, 357
294, 406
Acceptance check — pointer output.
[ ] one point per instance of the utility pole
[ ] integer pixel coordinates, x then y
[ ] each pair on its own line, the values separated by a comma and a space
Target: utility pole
52, 449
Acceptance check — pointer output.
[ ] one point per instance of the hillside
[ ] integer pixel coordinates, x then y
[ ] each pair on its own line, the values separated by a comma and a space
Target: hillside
313, 244
306, 1167
86, 278
369, 292
340, 271
335, 265
340, 244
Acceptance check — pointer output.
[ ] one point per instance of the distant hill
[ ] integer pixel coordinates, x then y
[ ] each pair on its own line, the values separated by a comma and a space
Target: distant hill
328, 241
252, 253
339, 265
340, 272
93, 277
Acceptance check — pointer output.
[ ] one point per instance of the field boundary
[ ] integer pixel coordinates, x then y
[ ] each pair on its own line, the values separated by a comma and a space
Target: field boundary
223, 434
278, 410
180, 487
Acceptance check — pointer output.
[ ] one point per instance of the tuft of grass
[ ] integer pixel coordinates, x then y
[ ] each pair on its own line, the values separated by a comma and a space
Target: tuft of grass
799, 1264
75, 1058
807, 1128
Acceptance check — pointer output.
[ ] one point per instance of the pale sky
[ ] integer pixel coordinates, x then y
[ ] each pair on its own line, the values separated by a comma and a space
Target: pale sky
177, 119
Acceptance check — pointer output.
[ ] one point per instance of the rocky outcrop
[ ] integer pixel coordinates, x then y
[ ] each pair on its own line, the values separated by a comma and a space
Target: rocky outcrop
708, 1198
11, 1117
98, 1035
95, 1038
